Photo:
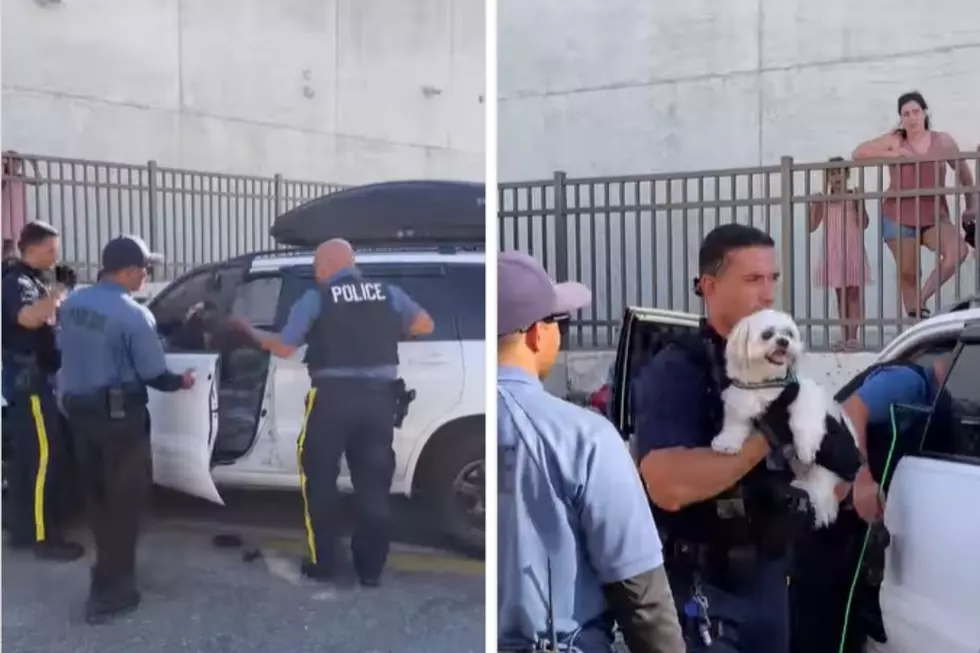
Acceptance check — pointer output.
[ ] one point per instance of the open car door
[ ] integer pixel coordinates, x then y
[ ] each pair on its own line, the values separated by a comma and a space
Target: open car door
183, 426
643, 332
930, 594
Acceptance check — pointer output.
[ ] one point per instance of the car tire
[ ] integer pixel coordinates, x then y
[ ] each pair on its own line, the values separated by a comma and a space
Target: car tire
451, 486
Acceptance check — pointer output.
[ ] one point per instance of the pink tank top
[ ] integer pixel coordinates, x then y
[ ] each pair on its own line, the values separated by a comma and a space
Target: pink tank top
922, 210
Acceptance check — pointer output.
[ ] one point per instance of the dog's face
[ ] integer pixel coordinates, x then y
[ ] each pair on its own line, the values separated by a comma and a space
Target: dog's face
763, 345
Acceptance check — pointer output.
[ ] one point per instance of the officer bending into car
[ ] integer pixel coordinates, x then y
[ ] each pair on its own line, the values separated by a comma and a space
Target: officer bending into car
111, 354
728, 521
890, 406
40, 451
577, 546
351, 326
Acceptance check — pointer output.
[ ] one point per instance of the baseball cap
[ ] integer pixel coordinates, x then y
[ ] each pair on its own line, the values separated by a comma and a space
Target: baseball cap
526, 294
126, 252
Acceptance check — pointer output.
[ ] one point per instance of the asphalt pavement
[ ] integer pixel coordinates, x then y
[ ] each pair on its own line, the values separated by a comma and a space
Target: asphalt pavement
250, 597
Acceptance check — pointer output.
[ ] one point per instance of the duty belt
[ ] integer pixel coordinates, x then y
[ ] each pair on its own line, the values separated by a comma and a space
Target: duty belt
103, 402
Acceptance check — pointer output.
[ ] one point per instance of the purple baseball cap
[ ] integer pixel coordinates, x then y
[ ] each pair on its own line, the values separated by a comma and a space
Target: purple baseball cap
526, 294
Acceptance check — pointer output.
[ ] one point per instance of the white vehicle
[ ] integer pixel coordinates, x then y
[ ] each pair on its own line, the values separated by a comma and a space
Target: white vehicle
930, 597
237, 427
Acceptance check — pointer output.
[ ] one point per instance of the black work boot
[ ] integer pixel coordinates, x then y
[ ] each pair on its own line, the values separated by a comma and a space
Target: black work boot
58, 550
105, 603
319, 572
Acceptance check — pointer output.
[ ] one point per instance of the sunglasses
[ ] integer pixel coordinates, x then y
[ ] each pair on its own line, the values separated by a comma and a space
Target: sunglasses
551, 319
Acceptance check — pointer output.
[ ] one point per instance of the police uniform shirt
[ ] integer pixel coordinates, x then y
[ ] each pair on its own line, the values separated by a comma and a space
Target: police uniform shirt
669, 394
589, 515
306, 309
22, 286
108, 339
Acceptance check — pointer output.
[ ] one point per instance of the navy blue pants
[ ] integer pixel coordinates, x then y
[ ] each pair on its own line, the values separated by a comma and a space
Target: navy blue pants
352, 417
757, 607
40, 461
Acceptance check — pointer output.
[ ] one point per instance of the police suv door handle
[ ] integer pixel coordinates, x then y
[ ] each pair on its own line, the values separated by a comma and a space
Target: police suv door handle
428, 360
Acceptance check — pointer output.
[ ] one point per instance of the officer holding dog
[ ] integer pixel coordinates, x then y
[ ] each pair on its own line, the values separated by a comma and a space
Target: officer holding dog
30, 362
352, 327
727, 520
111, 353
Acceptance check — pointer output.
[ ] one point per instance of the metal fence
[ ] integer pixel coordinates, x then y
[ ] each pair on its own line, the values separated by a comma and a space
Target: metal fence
634, 239
190, 217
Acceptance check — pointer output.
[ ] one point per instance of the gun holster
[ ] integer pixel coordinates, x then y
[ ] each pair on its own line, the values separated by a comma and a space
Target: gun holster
403, 398
28, 378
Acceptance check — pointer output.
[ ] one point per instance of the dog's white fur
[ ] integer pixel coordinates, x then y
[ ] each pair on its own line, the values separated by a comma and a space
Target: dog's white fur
766, 346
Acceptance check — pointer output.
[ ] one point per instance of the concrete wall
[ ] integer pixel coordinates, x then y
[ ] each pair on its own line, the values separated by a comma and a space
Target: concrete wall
345, 91
643, 86
631, 86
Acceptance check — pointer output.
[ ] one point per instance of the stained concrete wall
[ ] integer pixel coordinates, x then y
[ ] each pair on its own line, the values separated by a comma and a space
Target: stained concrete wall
630, 86
345, 91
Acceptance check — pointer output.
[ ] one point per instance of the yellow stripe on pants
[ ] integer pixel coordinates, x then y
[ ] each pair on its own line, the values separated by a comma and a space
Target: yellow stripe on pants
300, 445
42, 467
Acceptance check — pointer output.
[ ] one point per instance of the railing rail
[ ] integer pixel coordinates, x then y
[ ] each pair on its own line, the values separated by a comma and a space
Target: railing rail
191, 217
634, 239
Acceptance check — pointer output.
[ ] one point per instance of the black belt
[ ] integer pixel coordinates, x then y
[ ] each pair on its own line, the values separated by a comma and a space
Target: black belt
98, 402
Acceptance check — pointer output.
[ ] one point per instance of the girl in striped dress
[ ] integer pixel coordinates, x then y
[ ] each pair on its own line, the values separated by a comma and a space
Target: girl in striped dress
843, 262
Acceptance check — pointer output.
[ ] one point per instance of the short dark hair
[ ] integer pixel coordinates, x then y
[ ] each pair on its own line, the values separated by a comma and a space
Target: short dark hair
33, 233
723, 240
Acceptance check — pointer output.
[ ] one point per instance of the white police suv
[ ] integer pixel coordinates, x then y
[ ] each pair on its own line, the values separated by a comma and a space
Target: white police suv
930, 596
238, 426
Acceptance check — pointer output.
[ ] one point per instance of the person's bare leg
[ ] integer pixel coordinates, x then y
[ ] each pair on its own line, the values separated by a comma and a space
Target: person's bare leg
950, 250
905, 251
842, 314
852, 302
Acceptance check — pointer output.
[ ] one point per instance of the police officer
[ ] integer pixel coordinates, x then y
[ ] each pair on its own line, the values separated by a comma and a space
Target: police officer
571, 508
890, 406
30, 362
111, 354
352, 327
727, 520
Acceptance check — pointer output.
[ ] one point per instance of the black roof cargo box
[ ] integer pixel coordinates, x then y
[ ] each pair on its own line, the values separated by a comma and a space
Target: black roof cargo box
389, 213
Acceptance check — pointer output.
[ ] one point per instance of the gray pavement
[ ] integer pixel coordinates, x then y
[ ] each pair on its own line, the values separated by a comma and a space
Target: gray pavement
199, 598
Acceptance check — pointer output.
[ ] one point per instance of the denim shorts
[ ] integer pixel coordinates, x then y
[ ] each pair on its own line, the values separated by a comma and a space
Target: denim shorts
892, 230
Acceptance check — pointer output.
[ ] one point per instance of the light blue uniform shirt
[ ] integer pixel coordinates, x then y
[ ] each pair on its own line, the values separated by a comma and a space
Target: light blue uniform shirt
899, 385
582, 505
306, 309
106, 338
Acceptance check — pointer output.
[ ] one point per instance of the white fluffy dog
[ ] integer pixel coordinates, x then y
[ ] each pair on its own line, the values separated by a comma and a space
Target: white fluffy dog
761, 357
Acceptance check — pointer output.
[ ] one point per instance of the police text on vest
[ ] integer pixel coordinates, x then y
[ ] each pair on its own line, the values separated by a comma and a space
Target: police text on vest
358, 292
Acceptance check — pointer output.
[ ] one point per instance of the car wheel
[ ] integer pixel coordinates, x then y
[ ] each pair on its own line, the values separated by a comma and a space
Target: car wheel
456, 488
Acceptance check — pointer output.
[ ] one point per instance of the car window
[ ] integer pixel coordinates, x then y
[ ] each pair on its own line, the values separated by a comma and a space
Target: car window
432, 288
257, 300
170, 308
469, 299
963, 388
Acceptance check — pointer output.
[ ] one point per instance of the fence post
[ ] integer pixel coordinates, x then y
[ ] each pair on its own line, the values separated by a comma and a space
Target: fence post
786, 231
561, 229
277, 196
154, 244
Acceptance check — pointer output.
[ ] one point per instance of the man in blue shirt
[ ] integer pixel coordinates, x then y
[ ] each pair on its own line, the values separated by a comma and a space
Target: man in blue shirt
110, 354
871, 406
722, 515
571, 510
826, 561
352, 326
